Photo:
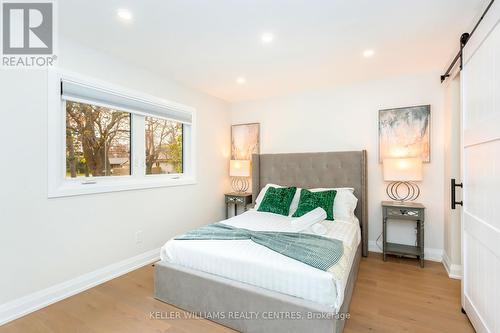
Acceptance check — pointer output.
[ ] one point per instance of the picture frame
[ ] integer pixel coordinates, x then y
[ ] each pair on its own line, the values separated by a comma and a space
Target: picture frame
405, 132
245, 141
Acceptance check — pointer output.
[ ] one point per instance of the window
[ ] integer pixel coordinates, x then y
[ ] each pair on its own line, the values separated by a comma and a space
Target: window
97, 141
104, 139
163, 146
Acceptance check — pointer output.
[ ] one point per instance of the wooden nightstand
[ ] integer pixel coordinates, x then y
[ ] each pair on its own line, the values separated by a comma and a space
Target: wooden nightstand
237, 199
407, 211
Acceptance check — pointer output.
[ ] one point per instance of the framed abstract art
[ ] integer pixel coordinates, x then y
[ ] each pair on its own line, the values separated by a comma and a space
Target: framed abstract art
405, 132
245, 141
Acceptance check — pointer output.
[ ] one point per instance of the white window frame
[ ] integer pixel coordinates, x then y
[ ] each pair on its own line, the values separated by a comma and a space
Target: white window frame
59, 185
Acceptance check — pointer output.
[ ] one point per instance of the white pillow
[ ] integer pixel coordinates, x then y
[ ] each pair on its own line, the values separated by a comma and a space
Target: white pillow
293, 206
316, 215
344, 204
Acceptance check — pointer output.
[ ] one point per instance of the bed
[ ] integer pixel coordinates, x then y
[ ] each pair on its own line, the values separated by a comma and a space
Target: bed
272, 295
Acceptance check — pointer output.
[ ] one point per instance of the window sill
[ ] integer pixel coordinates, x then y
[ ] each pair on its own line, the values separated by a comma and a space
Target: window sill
82, 187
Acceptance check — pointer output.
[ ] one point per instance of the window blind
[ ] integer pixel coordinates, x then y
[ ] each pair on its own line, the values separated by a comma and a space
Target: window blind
83, 93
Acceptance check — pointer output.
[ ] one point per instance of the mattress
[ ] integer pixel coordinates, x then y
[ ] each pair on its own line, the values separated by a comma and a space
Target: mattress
251, 263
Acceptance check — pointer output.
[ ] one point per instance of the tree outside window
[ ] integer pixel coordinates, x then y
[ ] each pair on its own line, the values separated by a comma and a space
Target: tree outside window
163, 146
97, 141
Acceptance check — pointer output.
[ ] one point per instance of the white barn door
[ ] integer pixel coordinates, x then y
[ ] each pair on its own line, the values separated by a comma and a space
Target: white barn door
481, 175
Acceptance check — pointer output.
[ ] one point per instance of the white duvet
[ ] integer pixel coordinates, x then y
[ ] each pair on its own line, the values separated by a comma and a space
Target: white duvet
248, 262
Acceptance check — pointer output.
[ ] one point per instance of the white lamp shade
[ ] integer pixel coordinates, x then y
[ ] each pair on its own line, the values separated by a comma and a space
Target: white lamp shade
402, 169
239, 168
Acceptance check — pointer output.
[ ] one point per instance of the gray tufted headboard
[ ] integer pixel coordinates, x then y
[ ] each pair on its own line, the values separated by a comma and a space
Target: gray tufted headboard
312, 170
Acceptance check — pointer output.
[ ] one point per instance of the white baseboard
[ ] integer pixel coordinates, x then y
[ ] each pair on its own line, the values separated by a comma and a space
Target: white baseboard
474, 316
37, 300
454, 271
429, 253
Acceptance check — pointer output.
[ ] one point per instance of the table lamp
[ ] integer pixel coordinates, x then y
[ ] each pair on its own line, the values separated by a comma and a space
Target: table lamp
402, 173
239, 170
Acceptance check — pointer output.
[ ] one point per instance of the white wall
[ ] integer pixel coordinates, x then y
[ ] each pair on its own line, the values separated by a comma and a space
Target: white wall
47, 241
346, 118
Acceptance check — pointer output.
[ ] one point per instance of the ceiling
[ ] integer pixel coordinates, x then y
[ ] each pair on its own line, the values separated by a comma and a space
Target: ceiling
208, 44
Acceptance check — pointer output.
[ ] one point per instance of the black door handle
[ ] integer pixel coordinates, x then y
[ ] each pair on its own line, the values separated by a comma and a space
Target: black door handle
454, 201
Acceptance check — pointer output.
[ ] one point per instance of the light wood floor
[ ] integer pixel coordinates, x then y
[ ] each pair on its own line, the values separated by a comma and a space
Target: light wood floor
390, 297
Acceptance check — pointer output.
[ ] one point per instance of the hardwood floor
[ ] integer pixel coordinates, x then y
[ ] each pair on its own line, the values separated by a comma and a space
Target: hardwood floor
390, 297
398, 296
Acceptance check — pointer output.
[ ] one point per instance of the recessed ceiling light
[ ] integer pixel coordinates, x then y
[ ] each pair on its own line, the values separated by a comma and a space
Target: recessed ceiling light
241, 80
368, 53
124, 14
267, 37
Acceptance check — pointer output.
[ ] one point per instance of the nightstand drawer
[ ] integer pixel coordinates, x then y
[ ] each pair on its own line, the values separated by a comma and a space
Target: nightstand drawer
404, 212
237, 200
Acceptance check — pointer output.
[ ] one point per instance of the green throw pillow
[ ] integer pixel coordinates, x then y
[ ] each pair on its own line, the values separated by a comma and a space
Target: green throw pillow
277, 200
311, 200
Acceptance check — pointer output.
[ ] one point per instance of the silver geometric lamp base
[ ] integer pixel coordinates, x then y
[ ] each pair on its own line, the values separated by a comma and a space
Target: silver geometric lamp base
402, 191
239, 184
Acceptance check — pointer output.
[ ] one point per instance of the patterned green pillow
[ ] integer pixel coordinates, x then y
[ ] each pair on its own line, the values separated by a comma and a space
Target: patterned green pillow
311, 200
277, 200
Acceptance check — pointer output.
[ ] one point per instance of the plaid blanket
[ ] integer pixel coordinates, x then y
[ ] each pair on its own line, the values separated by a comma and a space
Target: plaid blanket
313, 250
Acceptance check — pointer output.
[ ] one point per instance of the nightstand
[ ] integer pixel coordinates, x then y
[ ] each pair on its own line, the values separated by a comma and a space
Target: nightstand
406, 211
237, 199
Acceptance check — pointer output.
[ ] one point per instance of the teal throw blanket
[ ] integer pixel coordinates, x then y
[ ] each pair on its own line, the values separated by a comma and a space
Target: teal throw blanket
313, 250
